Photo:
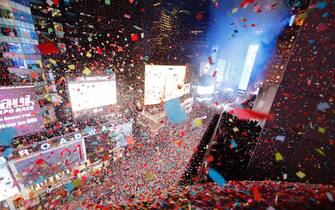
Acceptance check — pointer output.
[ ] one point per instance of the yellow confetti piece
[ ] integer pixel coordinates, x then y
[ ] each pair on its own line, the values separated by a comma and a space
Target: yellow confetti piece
71, 67
235, 129
320, 152
300, 174
52, 61
149, 176
197, 122
278, 156
88, 54
321, 130
234, 10
87, 71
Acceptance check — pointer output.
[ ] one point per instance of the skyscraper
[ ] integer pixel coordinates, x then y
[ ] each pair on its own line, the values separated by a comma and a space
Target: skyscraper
18, 38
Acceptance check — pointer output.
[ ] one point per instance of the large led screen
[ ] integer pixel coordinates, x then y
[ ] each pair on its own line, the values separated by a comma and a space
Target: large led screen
91, 95
38, 167
20, 110
163, 83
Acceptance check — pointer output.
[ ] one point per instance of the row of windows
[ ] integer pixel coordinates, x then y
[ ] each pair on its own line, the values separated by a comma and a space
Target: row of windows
24, 64
23, 2
18, 32
16, 15
19, 48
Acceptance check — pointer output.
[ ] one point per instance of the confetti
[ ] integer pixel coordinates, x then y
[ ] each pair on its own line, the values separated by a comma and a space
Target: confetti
216, 177
174, 111
300, 174
278, 156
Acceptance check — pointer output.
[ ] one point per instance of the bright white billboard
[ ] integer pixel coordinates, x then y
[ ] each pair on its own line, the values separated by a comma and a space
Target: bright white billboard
163, 83
92, 93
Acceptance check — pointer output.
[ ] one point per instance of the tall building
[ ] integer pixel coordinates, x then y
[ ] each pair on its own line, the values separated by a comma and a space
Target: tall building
18, 38
302, 127
167, 31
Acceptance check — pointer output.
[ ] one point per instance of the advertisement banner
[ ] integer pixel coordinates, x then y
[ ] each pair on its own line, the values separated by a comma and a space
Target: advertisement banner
163, 82
92, 95
19, 109
37, 168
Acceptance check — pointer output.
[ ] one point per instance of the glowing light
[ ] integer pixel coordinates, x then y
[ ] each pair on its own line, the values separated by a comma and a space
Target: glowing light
163, 83
248, 65
291, 20
92, 93
205, 90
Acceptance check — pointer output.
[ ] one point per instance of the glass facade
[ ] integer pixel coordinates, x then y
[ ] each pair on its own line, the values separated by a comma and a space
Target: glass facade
17, 23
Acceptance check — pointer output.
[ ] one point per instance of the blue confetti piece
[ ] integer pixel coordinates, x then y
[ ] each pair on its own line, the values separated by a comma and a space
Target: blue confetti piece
216, 177
89, 131
291, 20
192, 193
7, 135
311, 41
233, 144
321, 5
174, 111
39, 180
280, 138
7, 152
69, 187
322, 106
325, 14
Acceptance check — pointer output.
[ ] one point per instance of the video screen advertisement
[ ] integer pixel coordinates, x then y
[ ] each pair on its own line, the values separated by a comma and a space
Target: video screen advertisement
19, 109
40, 166
163, 82
91, 96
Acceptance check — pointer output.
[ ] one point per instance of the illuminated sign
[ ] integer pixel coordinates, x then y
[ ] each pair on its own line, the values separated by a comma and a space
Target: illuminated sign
20, 110
36, 168
91, 94
163, 83
248, 65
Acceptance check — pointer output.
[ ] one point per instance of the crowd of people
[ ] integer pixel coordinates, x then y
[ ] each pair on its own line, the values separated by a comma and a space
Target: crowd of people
151, 163
232, 146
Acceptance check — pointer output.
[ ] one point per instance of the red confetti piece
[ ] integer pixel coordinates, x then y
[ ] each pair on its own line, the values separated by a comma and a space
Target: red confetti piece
34, 75
182, 133
199, 16
256, 194
48, 48
134, 37
245, 3
39, 161
245, 114
210, 159
130, 140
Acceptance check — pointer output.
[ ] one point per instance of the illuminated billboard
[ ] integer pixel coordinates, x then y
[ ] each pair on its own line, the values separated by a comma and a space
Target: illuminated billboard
163, 83
38, 167
20, 110
248, 65
91, 95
